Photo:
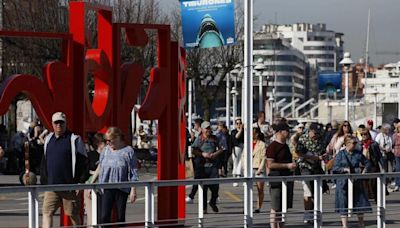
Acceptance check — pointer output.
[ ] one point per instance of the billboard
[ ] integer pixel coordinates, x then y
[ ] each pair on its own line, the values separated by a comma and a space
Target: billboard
329, 82
208, 23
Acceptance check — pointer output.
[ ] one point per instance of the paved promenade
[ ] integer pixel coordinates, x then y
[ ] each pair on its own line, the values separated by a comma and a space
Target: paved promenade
13, 208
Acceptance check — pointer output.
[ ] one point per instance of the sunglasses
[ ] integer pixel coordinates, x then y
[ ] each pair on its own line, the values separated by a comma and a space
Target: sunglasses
346, 125
59, 122
363, 134
238, 123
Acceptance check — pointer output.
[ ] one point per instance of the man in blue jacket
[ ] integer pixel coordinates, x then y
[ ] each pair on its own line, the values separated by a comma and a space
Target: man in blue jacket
64, 162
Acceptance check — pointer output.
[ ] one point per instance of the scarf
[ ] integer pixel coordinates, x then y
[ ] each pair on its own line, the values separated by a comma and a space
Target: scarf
367, 143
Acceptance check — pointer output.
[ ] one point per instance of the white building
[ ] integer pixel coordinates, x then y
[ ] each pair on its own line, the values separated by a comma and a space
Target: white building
384, 84
321, 46
283, 61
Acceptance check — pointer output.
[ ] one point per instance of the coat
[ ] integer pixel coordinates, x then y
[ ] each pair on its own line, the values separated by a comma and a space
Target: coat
259, 156
360, 195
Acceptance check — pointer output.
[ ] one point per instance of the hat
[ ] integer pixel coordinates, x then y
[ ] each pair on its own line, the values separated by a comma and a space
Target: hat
58, 116
396, 120
300, 126
315, 127
282, 127
205, 124
370, 122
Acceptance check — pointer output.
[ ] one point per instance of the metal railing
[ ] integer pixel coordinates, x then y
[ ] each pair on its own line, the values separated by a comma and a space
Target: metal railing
33, 192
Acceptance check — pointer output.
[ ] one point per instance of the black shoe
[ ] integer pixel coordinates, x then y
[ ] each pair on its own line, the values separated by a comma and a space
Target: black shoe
214, 207
204, 211
257, 211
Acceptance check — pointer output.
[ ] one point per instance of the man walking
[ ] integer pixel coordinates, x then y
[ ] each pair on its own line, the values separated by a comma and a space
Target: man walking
64, 162
279, 162
208, 148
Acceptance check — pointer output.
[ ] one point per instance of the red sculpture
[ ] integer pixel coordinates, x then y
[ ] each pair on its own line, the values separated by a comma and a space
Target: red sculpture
117, 86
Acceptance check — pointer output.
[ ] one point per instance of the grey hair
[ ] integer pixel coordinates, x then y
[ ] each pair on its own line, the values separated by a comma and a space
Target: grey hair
386, 126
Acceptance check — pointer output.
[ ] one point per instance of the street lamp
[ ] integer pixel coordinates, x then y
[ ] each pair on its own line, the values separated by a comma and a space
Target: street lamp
235, 72
260, 68
375, 93
346, 63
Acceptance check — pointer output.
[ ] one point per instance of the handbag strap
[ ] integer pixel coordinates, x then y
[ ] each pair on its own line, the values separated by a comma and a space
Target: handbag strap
349, 163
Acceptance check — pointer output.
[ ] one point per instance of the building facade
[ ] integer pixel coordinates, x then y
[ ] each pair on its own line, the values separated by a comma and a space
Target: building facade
384, 84
321, 46
285, 73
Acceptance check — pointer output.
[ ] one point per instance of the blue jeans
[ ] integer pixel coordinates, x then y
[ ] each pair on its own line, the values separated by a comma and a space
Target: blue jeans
397, 159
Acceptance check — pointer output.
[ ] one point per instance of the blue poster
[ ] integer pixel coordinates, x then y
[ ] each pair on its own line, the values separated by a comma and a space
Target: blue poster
330, 82
208, 23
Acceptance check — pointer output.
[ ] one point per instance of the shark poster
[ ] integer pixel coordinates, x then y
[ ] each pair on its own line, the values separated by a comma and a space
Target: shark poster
208, 23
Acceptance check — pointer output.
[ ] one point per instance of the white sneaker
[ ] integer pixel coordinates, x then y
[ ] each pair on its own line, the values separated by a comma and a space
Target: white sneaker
235, 184
188, 199
333, 186
218, 200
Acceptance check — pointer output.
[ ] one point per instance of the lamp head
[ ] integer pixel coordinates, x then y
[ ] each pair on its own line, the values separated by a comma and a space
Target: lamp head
346, 61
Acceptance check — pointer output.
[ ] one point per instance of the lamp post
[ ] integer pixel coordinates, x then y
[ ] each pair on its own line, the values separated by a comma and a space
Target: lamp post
375, 93
346, 63
235, 72
190, 105
260, 68
228, 100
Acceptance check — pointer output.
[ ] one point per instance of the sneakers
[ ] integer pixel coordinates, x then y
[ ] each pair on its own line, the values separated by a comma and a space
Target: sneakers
257, 211
333, 186
235, 184
394, 189
214, 207
188, 199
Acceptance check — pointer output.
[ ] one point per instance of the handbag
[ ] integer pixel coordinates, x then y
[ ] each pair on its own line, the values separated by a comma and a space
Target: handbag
329, 165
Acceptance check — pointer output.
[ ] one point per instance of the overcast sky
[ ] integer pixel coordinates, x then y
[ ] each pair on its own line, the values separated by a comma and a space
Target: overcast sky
347, 16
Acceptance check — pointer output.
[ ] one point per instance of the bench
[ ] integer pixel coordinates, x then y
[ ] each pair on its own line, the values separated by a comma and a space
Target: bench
146, 158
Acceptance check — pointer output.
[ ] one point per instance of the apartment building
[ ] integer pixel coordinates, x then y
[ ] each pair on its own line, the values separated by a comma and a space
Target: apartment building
321, 46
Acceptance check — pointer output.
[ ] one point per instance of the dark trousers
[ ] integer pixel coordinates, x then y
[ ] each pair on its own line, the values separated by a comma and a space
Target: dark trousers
210, 172
198, 173
224, 157
109, 199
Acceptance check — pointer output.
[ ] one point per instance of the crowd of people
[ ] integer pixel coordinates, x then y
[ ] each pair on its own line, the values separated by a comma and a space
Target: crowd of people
278, 150
62, 157
306, 149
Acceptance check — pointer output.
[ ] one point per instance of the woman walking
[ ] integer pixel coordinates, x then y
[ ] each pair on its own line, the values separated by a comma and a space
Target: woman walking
117, 164
349, 160
259, 159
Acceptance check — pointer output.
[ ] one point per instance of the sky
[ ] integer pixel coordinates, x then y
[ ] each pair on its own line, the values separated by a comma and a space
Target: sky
346, 16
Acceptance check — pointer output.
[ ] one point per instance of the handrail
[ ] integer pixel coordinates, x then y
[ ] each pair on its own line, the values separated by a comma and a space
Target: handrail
170, 183
149, 186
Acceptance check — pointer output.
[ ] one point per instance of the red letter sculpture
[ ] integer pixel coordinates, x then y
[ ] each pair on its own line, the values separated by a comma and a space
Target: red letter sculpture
117, 86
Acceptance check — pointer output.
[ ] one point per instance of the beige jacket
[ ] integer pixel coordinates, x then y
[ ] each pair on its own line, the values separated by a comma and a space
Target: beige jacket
259, 156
